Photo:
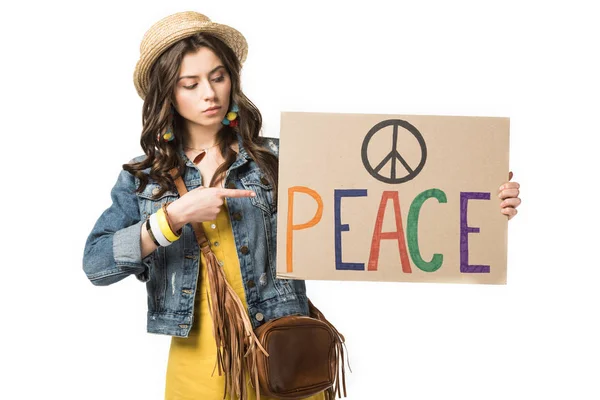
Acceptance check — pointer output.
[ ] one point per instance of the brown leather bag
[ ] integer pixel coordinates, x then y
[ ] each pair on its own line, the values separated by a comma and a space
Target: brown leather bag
305, 356
291, 357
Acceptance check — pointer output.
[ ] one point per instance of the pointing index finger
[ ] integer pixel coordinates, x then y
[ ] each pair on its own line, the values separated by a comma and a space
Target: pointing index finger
236, 193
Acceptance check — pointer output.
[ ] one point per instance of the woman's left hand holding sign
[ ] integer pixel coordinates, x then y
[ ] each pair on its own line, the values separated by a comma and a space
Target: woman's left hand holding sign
509, 193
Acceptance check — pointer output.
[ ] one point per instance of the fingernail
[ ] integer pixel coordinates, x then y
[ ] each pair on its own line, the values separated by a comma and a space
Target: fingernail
501, 187
252, 194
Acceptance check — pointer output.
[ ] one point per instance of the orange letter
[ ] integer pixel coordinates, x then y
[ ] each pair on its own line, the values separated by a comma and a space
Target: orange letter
290, 219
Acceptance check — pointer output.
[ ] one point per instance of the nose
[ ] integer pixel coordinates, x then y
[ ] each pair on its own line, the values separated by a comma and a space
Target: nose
208, 92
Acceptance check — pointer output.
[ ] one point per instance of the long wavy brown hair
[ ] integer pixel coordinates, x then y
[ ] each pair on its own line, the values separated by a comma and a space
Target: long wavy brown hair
157, 116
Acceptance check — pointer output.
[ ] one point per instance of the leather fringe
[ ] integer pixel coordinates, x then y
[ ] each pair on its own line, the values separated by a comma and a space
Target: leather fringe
340, 345
232, 330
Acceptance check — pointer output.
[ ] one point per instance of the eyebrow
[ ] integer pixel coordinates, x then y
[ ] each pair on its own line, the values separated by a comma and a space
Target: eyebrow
196, 76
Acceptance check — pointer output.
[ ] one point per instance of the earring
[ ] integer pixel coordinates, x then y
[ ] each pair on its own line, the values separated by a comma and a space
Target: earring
231, 118
169, 135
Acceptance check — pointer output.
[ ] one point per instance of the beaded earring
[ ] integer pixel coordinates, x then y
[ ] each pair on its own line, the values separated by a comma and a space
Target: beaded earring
169, 135
231, 118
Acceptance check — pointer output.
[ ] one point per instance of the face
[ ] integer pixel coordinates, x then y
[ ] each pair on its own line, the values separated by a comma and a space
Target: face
202, 89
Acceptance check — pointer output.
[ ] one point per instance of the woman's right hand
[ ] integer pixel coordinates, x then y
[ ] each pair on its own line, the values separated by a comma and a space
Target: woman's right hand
201, 204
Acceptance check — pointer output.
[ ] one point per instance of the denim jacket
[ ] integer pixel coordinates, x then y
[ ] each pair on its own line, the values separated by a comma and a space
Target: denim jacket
113, 251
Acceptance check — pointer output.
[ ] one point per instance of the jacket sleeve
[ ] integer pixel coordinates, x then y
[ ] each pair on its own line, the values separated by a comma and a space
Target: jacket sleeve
113, 249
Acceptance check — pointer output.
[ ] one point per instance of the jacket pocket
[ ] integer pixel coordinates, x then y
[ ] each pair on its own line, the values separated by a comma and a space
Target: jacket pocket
259, 184
148, 204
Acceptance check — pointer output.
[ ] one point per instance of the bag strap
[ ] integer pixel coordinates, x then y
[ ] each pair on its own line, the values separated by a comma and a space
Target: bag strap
198, 230
232, 329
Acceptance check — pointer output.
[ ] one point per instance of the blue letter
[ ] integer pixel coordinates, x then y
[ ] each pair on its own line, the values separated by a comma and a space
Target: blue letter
339, 228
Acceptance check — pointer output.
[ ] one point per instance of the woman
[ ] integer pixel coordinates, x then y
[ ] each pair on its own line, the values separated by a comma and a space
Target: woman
197, 121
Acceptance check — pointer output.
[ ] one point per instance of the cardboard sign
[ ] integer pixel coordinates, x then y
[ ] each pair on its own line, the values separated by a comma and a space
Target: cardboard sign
392, 198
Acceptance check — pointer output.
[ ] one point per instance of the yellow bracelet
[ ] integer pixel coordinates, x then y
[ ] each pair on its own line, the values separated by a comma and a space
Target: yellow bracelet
164, 207
164, 226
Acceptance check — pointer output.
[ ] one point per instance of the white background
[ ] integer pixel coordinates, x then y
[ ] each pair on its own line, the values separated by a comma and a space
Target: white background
71, 118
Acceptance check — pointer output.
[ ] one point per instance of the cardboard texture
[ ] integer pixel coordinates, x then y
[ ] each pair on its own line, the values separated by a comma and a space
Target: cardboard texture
410, 198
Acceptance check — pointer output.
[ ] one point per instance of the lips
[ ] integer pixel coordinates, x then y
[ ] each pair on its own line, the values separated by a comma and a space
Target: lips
212, 109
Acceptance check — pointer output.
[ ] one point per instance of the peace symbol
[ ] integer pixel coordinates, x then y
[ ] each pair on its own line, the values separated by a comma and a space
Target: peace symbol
393, 155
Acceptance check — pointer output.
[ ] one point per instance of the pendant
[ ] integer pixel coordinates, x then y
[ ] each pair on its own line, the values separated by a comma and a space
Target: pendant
199, 157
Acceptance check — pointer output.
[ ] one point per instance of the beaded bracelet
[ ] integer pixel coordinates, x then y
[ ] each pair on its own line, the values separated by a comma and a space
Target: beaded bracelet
164, 207
164, 226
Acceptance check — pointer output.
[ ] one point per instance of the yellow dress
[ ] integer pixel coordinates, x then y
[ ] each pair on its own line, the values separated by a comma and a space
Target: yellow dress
192, 359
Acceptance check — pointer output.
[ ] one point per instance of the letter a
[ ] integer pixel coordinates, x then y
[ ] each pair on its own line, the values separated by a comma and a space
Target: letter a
397, 235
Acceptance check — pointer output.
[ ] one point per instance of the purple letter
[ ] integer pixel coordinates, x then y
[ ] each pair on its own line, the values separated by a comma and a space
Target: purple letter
465, 230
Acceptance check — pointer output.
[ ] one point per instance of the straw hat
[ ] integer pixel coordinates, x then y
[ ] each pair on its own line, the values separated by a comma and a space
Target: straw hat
175, 27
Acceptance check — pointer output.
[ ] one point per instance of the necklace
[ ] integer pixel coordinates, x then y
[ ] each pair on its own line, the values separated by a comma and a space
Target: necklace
202, 153
207, 148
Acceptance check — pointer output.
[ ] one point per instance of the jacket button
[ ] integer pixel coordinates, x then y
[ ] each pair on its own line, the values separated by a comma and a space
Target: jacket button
237, 216
264, 180
245, 250
213, 226
216, 244
259, 317
231, 185
155, 191
251, 283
